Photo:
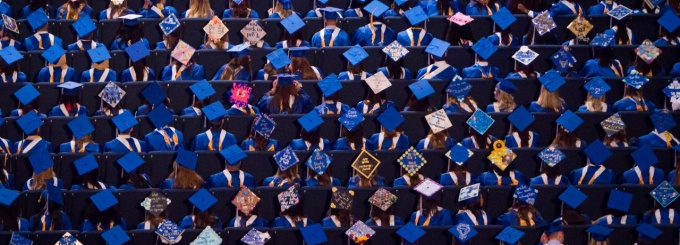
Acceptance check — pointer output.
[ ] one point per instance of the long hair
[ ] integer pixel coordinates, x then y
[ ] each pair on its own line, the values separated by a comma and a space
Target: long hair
322, 179
475, 205
505, 101
239, 10
414, 179
355, 69
414, 104
292, 38
373, 98
117, 10
355, 136
130, 34
172, 39
310, 136
676, 180
605, 56
394, 68
438, 140
550, 172
107, 218
525, 212
140, 68
203, 219
565, 138
619, 136
481, 139
367, 182
8, 70
154, 221
482, 8
302, 66
40, 179
221, 44
344, 216
234, 66
621, 35
597, 104
430, 205
91, 180
259, 142
199, 9
185, 178
55, 215
524, 136
71, 10
384, 216
280, 101
549, 100
645, 69
137, 180
469, 101
296, 212
283, 13
457, 35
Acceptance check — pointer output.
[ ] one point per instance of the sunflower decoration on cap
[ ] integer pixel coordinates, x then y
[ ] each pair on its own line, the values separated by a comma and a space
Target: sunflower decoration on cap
501, 156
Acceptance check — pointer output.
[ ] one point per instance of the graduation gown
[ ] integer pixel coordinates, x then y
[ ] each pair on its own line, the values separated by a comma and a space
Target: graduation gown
451, 108
440, 70
156, 13
478, 71
631, 176
126, 75
382, 143
156, 140
251, 110
70, 146
496, 40
629, 104
610, 219
54, 181
253, 221
331, 36
219, 140
492, 108
585, 108
592, 68
414, 36
82, 45
472, 9
118, 45
29, 146
312, 182
604, 178
394, 221
671, 177
353, 181
238, 178
404, 180
450, 179
55, 73
513, 140
663, 41
664, 216
249, 145
535, 107
96, 75
60, 111
301, 105
15, 77
405, 72
490, 178
116, 145
87, 225
274, 181
85, 12
510, 219
330, 222
655, 140
196, 73
277, 16
565, 8
191, 111
38, 222
342, 144
442, 218
601, 7
466, 216
284, 44
104, 14
301, 145
33, 42
282, 222
376, 109
242, 75
544, 180
471, 144
227, 14
383, 36
424, 144
188, 222
19, 112
354, 12
9, 184
16, 44
337, 108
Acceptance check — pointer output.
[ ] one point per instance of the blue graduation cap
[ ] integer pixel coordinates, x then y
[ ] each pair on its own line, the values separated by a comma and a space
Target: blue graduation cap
37, 19
620, 12
480, 121
86, 164
635, 80
569, 121
331, 13
329, 85
669, 20
503, 18
311, 121
54, 53
552, 81
421, 89
186, 159
521, 118
459, 154
318, 161
69, 88
554, 226
572, 197
484, 48
619, 200
410, 232
665, 194
240, 50
525, 194
115, 236
355, 55
293, 23
169, 24
506, 86
130, 161
672, 91
551, 156
264, 125
648, 232
8, 196
285, 79
663, 121
124, 121
458, 88
602, 40
510, 235
390, 118
54, 194
18, 239
202, 199
313, 234
279, 59
10, 55
84, 27
286, 4
286, 158
80, 126
137, 51
400, 2
214, 111
160, 116
29, 122
644, 157
376, 8
202, 89
463, 231
154, 94
130, 19
351, 119
104, 200
468, 192
27, 93
563, 59
416, 15
437, 48
169, 232
597, 152
597, 87
299, 52
599, 233
233, 154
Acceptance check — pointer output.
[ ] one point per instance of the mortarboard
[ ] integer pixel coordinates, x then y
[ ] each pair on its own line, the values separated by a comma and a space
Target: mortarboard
463, 231
351, 119
480, 121
551, 156
459, 154
37, 20
599, 233
313, 234
279, 59
240, 94
563, 59
10, 23
597, 87
580, 26
202, 199
186, 158
390, 118
602, 40
69, 88
130, 19
458, 88
86, 164
400, 2
613, 124
552, 81
525, 55
468, 192
286, 158
112, 94
635, 80
29, 122
286, 4
437, 48
438, 121
124, 121
395, 51
665, 194
215, 29
663, 121
378, 82
202, 89
233, 154
84, 26
670, 21
155, 203
67, 238
329, 85
285, 79
376, 8
160, 116
299, 52
521, 118
169, 232
410, 232
647, 51
415, 15
341, 198
253, 32
506, 86
421, 89
54, 194
255, 237
460, 19
331, 13
672, 91
428, 187
54, 53
245, 200
484, 48
169, 24
8, 196
104, 200
292, 23
115, 236
648, 232
365, 164
572, 197
264, 126
41, 160
289, 197
214, 111
644, 157
411, 161
310, 121
207, 237
382, 199
27, 93
18, 239
543, 23
503, 18
569, 121
240, 50
355, 54
359, 232
619, 12
318, 161
154, 94
510, 235
619, 200
10, 55
183, 52
597, 152
525, 194
554, 226
130, 161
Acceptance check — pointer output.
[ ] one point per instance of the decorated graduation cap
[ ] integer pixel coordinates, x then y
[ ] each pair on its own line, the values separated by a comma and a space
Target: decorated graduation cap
663, 121
665, 194
154, 94
104, 200
669, 21
569, 121
395, 51
289, 197
602, 40
53, 54
253, 32
648, 232
115, 236
10, 55
438, 121
40, 160
428, 187
672, 91
112, 94
580, 26
255, 237
160, 116
390, 119
169, 24
521, 118
18, 239
318, 161
543, 23
331, 13
329, 85
525, 194
597, 152
155, 203
202, 89
644, 157
572, 197
240, 50
37, 20
635, 80
124, 121
360, 232
510, 235
264, 126
599, 233
286, 158
484, 48
378, 82
341, 198
355, 54
186, 158
458, 88
619, 12
279, 59
437, 48
286, 79
411, 161
468, 192
563, 59
416, 15
215, 28
597, 87
619, 200
292, 23
382, 199
27, 93
551, 156
202, 199
480, 121
245, 200
84, 27
365, 164
207, 236
503, 18
460, 19
501, 156
613, 124
421, 89
169, 232
647, 51
310, 121
233, 154
351, 119
29, 122
463, 231
130, 161
525, 55
376, 8
313, 234
10, 23
86, 164
459, 154
410, 232
67, 238
240, 94
8, 196
183, 52
130, 19
552, 81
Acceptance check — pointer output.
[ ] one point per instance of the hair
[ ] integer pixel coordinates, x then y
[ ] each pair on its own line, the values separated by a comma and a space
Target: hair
185, 178
481, 139
130, 34
239, 10
550, 100
344, 216
619, 136
91, 180
621, 35
524, 211
235, 66
109, 217
460, 172
596, 104
373, 98
323, 179
605, 56
456, 33
634, 94
300, 64
384, 216
283, 13
55, 214
355, 69
117, 9
654, 68
524, 136
469, 101
39, 180
506, 35
565, 138
296, 212
280, 98
572, 216
528, 70
199, 9
140, 67
311, 137
394, 68
475, 205
414, 104
172, 39
259, 142
414, 179
220, 45
504, 100
79, 5
669, 35
8, 70
154, 221
438, 140
292, 38
137, 179
550, 172
290, 174
650, 213
367, 182
481, 8
355, 136
203, 219
430, 205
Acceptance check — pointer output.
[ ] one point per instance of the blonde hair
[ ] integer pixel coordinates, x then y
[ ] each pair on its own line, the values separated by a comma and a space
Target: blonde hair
283, 13
199, 9
595, 103
550, 100
185, 178
505, 101
69, 14
221, 44
39, 179
117, 9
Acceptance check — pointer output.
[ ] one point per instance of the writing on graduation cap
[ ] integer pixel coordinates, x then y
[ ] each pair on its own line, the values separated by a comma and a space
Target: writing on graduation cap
252, 31
524, 192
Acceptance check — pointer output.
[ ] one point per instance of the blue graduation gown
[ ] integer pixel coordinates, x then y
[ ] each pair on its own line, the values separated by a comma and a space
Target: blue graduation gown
397, 222
104, 16
26, 11
282, 222
584, 108
277, 16
115, 146
353, 181
598, 9
592, 68
40, 145
344, 76
301, 105
604, 179
671, 177
510, 219
401, 181
201, 141
342, 144
653, 140
404, 39
471, 9
467, 142
21, 78
249, 145
353, 12
257, 223
242, 75
31, 43
252, 110
389, 13
299, 145
510, 141
87, 225
57, 112
630, 220
363, 35
150, 14
312, 182
156, 142
660, 73
630, 177
663, 41
189, 111
612, 32
220, 180
445, 75
362, 108
65, 222
143, 110
429, 6
97, 75
535, 107
167, 184
196, 73
274, 181
628, 104
342, 39
559, 9
551, 181
463, 217
331, 109
9, 184
448, 144
491, 108
402, 142
17, 45
51, 181
117, 45
86, 12
44, 75
405, 74
665, 218
446, 180
127, 77
188, 222
85, 46
161, 45
66, 147
518, 75
496, 40
489, 178
442, 218
328, 223
478, 71
227, 14
280, 44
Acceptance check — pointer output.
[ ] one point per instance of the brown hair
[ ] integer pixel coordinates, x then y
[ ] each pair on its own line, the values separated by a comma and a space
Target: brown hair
323, 179
280, 98
185, 178
616, 137
64, 13
239, 10
39, 179
505, 101
301, 65
438, 140
199, 9
283, 13
117, 9
565, 138
234, 66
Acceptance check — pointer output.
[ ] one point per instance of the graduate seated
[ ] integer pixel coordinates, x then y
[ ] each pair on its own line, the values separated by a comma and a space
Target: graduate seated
551, 173
232, 175
340, 211
32, 6
572, 198
56, 70
523, 66
472, 210
465, 105
9, 67
565, 7
457, 174
430, 212
239, 95
116, 9
287, 173
30, 124
376, 100
411, 162
310, 138
439, 140
667, 35
619, 205
182, 67
644, 172
659, 137
320, 175
164, 137
184, 174
292, 36
502, 37
292, 210
595, 102
281, 10
130, 32
440, 69
124, 142
382, 209
100, 71
502, 172
616, 132
647, 234
245, 202
215, 138
603, 65
594, 172
566, 135
43, 172
482, 7
154, 9
299, 65
202, 91
622, 34
239, 9
503, 94
286, 97
365, 172
51, 217
11, 220
415, 35
238, 67
132, 176
88, 171
352, 133
259, 136
391, 136
138, 70
74, 10
481, 68
647, 65
549, 99
213, 40
7, 40
111, 97
201, 216
521, 134
523, 212
394, 64
661, 213
478, 135
633, 97
254, 38
423, 104
602, 8
563, 63
198, 9
170, 39
375, 33
68, 102
331, 35
355, 66
554, 233
102, 214
330, 87
155, 211
41, 40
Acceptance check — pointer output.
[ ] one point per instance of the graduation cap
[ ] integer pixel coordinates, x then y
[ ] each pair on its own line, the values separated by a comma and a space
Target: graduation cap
8, 196
112, 94
572, 197
255, 237
376, 8
115, 236
245, 200
202, 89
390, 118
411, 161
10, 23
10, 55
421, 89
510, 235
54, 194
501, 156
233, 154
160, 116
351, 119
521, 118
202, 199
395, 51
480, 121
613, 124
602, 40
599, 233
459, 154
460, 19
365, 164
292, 23
279, 59
329, 85
663, 121
155, 203
341, 198
286, 79
635, 80
169, 232
458, 88
264, 125
463, 231
154, 94
648, 232
130, 19
484, 48
563, 59
503, 18
313, 234
183, 52
597, 152
410, 232
551, 156
669, 20
54, 53
672, 91
438, 121
86, 164
215, 28
299, 52
84, 27
69, 88
400, 2
318, 161
40, 160
506, 86
580, 26
186, 159
525, 55
360, 232
104, 200
665, 194
37, 20
289, 197
569, 121
331, 13
124, 121
428, 187
597, 87
130, 161
286, 158
207, 236
214, 111
468, 192
543, 23
169, 24
18, 239
253, 32
416, 15
355, 54
644, 157
619, 12
378, 82
310, 121
552, 81
240, 94
286, 4
29, 122
67, 238
525, 194
437, 48
619, 200
27, 93
382, 199
240, 50
647, 51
